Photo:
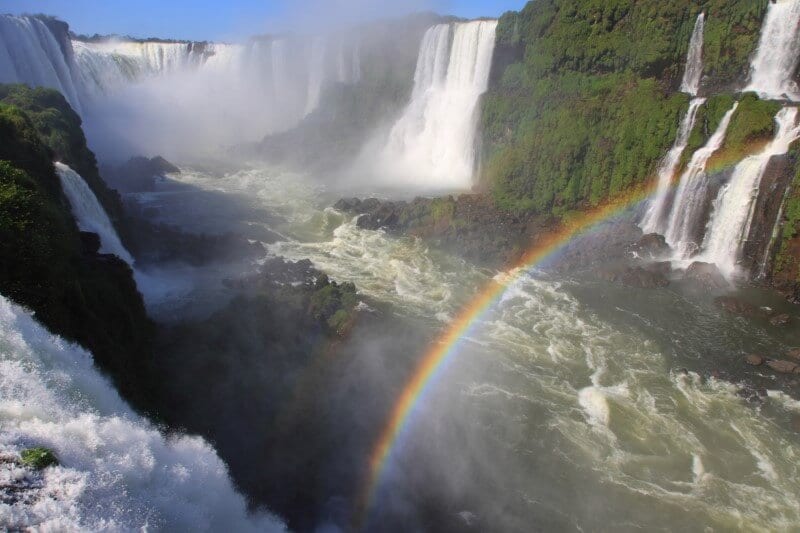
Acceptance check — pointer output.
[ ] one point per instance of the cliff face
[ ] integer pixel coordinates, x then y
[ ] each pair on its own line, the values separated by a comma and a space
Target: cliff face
584, 102
46, 264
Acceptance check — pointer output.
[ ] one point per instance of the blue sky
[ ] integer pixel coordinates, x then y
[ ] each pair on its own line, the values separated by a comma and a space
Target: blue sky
228, 19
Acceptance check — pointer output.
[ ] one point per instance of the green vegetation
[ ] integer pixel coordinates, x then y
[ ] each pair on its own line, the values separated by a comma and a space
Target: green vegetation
787, 260
708, 119
752, 123
590, 105
38, 458
332, 304
83, 297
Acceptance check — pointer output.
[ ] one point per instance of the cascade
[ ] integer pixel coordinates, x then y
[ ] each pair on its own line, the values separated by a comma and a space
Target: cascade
691, 194
653, 220
775, 61
694, 58
316, 73
30, 53
730, 222
117, 472
654, 217
434, 139
89, 214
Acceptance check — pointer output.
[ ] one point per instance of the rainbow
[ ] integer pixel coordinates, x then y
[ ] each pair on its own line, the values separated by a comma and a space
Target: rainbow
433, 363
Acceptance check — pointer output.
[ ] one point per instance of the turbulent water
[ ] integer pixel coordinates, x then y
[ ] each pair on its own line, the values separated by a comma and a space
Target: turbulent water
733, 208
117, 472
565, 405
433, 142
89, 214
775, 61
691, 193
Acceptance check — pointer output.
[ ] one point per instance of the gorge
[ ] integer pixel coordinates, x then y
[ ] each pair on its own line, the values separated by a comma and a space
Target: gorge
534, 272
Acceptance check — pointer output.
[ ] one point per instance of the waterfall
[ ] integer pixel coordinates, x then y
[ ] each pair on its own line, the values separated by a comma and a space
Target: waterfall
653, 220
89, 214
434, 139
694, 59
117, 472
690, 196
30, 53
733, 207
316, 73
775, 61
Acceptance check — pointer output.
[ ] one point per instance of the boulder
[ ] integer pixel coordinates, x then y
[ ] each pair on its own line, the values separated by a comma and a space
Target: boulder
736, 306
754, 360
663, 268
643, 279
783, 367
780, 320
651, 245
794, 353
705, 275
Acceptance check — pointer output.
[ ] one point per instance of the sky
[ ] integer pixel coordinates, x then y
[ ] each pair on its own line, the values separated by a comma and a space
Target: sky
231, 19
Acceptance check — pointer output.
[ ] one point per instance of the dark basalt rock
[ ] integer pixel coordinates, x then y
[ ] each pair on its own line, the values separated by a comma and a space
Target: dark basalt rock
90, 243
706, 276
138, 174
651, 246
638, 277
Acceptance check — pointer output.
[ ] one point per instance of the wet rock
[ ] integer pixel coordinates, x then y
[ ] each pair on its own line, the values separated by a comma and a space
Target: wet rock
794, 353
663, 268
651, 245
795, 423
737, 306
783, 367
754, 360
780, 320
90, 243
705, 275
643, 279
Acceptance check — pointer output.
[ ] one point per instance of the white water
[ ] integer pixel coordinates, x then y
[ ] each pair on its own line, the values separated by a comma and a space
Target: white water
653, 221
30, 53
117, 473
694, 59
778, 52
731, 219
89, 214
691, 194
433, 142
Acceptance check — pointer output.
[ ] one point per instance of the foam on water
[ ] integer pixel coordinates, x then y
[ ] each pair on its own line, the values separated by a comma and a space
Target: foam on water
117, 472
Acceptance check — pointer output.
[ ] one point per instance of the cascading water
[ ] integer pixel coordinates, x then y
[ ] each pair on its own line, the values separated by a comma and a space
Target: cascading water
89, 214
653, 220
778, 52
733, 207
116, 472
30, 53
433, 142
694, 58
691, 194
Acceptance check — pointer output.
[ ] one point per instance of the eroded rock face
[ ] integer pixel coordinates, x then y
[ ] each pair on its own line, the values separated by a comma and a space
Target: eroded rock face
780, 320
706, 276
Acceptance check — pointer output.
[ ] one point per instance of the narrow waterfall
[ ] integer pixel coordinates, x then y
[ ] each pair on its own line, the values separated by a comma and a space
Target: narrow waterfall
30, 53
316, 73
691, 194
694, 59
653, 220
117, 472
733, 207
89, 214
433, 142
775, 61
